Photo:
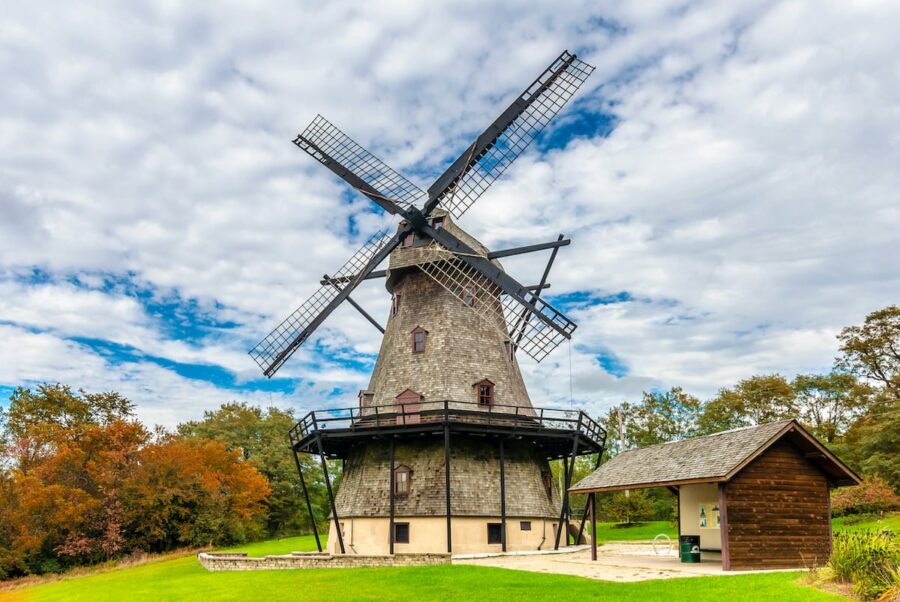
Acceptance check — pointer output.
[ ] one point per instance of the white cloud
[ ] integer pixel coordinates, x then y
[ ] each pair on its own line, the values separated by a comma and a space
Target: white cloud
747, 198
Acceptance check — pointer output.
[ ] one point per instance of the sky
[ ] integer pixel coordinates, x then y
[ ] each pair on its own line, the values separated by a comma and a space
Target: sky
728, 177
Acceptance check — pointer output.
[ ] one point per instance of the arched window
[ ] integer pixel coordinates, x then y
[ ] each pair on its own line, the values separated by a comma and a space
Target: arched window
418, 339
402, 480
484, 393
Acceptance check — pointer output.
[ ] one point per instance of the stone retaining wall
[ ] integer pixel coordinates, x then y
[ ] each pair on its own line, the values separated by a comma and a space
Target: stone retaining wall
239, 561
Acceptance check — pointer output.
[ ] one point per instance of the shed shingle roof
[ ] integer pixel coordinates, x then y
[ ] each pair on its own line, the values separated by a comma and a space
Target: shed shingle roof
709, 458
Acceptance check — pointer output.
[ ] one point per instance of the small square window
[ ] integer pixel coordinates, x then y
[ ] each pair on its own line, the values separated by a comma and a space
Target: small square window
401, 532
408, 240
525, 525
494, 533
437, 223
485, 393
510, 350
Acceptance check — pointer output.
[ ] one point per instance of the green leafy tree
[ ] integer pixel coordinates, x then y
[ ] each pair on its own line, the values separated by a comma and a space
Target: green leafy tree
662, 417
872, 444
830, 403
630, 507
261, 437
872, 351
755, 400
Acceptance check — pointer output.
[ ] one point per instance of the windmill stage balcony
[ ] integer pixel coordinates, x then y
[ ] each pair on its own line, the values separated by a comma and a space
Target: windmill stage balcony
555, 431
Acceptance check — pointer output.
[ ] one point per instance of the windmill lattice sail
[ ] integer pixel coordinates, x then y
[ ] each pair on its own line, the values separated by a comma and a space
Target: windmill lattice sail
271, 352
542, 101
321, 136
501, 311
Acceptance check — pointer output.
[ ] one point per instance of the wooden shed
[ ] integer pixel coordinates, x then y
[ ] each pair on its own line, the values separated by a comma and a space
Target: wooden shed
759, 495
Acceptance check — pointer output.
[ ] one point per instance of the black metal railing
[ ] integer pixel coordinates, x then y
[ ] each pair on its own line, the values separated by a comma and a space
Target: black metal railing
416, 414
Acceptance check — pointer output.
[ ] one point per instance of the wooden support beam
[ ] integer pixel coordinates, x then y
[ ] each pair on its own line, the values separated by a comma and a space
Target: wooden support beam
593, 502
502, 499
326, 279
561, 242
312, 516
334, 514
391, 525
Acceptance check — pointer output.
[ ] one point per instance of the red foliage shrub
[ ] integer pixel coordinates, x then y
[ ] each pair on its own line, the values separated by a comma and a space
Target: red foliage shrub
872, 496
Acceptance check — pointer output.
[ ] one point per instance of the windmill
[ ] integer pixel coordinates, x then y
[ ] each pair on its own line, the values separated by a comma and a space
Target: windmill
447, 364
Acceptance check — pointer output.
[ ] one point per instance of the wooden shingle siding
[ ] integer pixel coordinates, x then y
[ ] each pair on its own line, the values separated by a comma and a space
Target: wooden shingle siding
778, 512
474, 480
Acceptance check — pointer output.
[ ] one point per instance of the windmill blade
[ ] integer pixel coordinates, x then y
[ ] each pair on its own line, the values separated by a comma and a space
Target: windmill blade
510, 134
457, 267
280, 344
503, 312
358, 167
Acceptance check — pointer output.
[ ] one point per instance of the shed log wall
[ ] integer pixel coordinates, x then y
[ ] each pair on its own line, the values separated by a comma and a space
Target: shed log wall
778, 512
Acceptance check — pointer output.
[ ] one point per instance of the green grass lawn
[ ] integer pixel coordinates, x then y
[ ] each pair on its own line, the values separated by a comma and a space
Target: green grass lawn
891, 521
648, 530
184, 579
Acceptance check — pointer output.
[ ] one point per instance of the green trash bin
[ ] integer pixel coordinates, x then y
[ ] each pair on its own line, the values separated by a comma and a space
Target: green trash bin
689, 546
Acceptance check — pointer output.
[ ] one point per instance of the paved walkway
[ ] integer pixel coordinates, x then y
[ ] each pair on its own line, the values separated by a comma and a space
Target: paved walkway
615, 562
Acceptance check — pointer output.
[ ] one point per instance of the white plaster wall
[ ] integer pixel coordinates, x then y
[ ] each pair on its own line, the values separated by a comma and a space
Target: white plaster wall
429, 534
691, 496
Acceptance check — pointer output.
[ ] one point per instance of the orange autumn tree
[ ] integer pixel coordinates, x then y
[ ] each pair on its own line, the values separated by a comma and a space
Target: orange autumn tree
82, 481
193, 492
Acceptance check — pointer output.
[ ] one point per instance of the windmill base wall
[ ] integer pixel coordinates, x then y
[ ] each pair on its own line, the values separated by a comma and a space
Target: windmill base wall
428, 534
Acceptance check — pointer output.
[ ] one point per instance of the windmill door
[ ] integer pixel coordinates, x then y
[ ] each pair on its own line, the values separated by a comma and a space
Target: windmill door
409, 407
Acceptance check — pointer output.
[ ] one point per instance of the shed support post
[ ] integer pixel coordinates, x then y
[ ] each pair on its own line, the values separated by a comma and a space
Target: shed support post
593, 503
447, 480
312, 517
391, 525
337, 521
502, 499
723, 527
563, 512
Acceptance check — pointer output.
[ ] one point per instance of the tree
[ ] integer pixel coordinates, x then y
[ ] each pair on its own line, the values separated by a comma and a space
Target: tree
260, 436
829, 403
871, 444
663, 417
192, 492
755, 400
636, 506
872, 351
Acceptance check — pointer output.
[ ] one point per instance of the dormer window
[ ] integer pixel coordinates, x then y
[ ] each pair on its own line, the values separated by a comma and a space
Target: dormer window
418, 339
395, 303
470, 293
402, 480
365, 399
409, 406
408, 240
484, 393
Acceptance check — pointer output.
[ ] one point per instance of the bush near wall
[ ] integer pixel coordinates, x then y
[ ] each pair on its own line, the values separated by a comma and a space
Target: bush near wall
872, 496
